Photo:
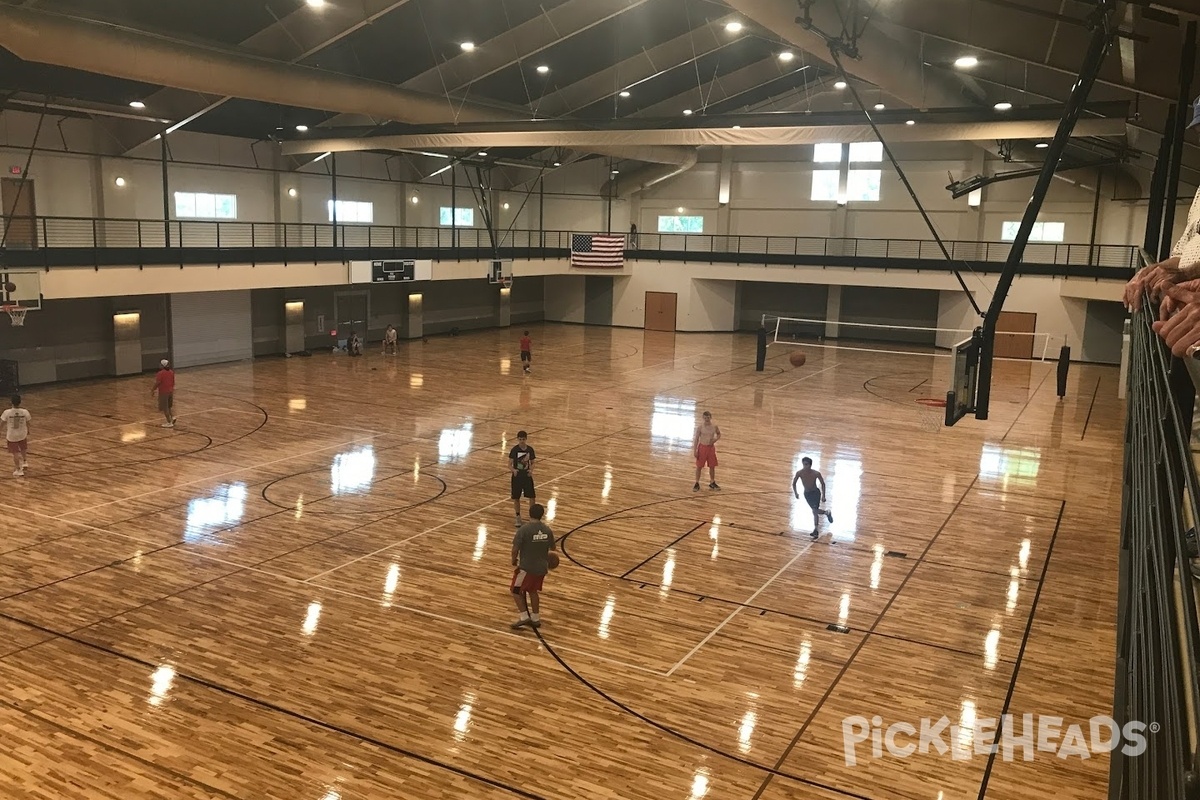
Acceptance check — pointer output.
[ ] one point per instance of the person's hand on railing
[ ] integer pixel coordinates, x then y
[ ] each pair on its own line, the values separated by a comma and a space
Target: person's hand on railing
1153, 279
1181, 330
1170, 304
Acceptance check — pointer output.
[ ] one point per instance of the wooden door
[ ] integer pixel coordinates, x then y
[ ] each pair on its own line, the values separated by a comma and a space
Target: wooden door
660, 311
1014, 334
16, 198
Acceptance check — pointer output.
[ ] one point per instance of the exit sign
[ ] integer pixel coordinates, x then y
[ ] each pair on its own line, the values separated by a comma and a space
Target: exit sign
14, 170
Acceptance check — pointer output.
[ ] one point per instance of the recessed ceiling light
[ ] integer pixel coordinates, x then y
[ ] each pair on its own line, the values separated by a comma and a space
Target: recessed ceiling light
840, 85
910, 122
415, 199
625, 94
787, 55
558, 163
467, 47
119, 181
543, 69
302, 128
966, 62
880, 106
483, 152
687, 112
1041, 145
616, 172
737, 127
292, 192
1003, 105
505, 206
137, 104
316, 3
681, 209
733, 27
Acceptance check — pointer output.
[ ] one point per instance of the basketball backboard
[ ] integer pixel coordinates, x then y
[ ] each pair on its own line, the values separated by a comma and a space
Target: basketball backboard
501, 272
27, 292
964, 378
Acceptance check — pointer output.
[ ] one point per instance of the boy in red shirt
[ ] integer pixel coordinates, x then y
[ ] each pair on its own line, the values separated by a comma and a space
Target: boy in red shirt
164, 385
526, 352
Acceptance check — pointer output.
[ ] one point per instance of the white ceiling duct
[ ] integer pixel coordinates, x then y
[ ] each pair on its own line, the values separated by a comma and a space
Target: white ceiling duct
119, 52
607, 140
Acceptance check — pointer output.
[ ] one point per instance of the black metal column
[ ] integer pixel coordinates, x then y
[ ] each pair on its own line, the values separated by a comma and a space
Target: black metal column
1158, 186
1101, 41
166, 191
333, 209
1187, 68
1095, 217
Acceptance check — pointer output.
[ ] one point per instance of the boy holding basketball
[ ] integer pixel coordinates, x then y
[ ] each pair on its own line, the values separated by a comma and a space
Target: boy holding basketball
16, 423
164, 385
812, 495
526, 352
532, 557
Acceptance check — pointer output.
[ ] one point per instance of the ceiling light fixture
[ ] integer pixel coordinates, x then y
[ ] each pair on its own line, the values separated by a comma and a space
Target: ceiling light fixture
787, 55
880, 106
483, 153
733, 27
624, 94
966, 62
840, 85
737, 127
616, 172
415, 199
558, 163
292, 192
680, 210
1041, 145
910, 122
687, 112
542, 69
137, 104
505, 206
302, 128
316, 3
1003, 105
467, 47
119, 181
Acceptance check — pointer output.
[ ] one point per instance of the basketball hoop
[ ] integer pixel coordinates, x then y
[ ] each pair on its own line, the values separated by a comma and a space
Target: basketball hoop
933, 413
16, 314
506, 281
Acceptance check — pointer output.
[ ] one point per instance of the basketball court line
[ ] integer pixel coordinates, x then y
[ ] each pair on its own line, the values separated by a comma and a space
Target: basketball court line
431, 530
41, 439
738, 610
806, 377
282, 418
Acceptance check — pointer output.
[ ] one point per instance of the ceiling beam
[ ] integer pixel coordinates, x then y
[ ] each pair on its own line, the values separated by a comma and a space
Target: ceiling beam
720, 89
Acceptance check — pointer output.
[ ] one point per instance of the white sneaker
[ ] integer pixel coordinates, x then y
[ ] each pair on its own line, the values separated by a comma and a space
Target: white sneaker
20, 473
168, 424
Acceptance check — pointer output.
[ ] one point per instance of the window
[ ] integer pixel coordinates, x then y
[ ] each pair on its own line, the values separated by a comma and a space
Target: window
866, 151
825, 184
1042, 231
201, 205
680, 224
827, 153
862, 185
462, 217
352, 211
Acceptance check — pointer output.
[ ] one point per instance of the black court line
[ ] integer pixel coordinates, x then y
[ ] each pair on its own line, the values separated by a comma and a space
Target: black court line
1012, 684
858, 649
661, 550
918, 386
276, 708
1091, 407
1025, 407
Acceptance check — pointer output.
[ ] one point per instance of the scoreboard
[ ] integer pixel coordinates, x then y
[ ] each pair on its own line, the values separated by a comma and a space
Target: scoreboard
393, 271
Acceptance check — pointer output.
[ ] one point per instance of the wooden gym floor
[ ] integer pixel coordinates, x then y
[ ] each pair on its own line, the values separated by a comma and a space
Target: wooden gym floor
301, 591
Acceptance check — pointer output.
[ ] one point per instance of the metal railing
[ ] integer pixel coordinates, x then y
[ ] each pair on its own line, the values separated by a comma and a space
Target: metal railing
83, 233
1158, 636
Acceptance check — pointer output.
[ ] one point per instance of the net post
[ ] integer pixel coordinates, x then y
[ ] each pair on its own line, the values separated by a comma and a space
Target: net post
1064, 366
760, 360
950, 420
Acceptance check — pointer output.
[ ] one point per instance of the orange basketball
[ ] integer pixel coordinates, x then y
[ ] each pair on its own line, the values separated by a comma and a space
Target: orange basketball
553, 559
797, 358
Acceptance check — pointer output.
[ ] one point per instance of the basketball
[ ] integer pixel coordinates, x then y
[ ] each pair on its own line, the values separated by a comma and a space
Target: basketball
797, 358
10, 287
553, 559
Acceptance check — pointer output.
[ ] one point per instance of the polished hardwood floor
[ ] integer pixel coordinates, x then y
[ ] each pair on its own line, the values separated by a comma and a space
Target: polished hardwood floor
301, 590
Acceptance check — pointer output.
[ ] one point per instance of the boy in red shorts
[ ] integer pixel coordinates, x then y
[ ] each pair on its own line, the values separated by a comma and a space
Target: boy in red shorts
531, 562
704, 445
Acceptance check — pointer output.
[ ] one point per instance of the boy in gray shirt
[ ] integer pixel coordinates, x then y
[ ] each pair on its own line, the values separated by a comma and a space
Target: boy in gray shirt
531, 561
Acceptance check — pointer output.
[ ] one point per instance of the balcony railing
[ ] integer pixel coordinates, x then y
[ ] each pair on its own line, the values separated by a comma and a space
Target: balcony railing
153, 241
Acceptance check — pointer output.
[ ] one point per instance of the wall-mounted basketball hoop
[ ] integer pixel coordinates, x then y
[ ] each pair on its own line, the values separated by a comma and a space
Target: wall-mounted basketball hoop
16, 314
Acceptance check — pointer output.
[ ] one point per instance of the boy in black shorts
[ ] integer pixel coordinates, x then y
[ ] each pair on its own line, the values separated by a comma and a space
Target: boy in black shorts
812, 495
520, 460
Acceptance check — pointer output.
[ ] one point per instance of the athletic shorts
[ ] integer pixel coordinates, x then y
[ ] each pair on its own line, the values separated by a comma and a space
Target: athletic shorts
524, 583
706, 456
19, 447
166, 401
526, 355
813, 498
522, 484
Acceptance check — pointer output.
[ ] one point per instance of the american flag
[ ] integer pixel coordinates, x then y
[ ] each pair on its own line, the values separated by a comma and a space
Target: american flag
590, 250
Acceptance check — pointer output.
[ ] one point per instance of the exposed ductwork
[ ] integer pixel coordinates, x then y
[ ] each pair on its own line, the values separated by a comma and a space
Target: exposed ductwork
107, 49
893, 67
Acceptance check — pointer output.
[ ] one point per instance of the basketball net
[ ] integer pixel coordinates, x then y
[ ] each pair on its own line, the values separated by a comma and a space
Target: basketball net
933, 413
506, 281
17, 315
